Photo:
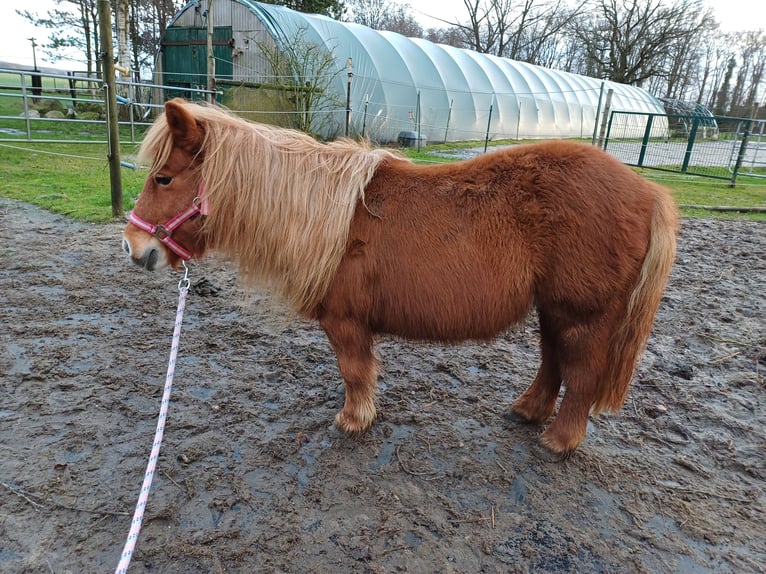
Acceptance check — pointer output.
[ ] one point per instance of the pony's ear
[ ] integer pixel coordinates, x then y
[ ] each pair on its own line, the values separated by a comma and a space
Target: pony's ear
187, 132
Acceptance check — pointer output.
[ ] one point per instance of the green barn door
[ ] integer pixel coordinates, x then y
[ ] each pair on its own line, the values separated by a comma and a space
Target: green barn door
184, 59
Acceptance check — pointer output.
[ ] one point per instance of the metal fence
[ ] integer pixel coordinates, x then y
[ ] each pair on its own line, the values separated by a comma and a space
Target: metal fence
34, 101
709, 146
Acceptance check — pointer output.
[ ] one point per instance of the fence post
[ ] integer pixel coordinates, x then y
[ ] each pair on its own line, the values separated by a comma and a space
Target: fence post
25, 98
72, 88
598, 111
110, 98
449, 117
741, 153
690, 143
349, 65
210, 54
417, 119
605, 119
489, 122
645, 141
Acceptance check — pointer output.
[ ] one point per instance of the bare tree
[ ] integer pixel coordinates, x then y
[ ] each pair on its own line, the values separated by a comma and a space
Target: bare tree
122, 35
332, 8
451, 36
74, 24
148, 22
751, 47
708, 65
722, 95
627, 41
304, 74
370, 13
385, 15
526, 30
538, 37
401, 21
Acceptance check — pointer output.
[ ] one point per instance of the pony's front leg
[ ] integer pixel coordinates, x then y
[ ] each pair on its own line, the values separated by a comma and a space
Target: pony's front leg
358, 366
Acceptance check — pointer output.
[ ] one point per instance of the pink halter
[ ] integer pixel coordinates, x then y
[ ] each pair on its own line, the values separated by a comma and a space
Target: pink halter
164, 232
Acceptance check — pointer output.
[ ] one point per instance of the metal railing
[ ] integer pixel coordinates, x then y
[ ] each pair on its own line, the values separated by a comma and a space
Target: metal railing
78, 104
710, 146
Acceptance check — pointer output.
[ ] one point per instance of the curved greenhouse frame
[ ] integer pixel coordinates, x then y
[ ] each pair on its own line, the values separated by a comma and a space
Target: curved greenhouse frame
445, 93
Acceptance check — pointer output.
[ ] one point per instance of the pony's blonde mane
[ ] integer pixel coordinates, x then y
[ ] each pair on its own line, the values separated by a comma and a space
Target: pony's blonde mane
280, 203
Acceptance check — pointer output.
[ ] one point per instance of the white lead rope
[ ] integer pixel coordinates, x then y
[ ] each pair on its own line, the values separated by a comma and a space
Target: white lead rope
138, 515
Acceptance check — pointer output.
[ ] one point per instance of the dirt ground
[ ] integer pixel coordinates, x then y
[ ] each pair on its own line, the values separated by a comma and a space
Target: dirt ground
253, 477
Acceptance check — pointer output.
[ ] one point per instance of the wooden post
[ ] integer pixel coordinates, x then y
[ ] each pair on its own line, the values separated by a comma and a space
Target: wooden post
110, 99
210, 54
598, 112
605, 118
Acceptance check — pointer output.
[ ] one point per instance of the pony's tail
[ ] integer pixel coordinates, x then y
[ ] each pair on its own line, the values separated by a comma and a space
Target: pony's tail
632, 335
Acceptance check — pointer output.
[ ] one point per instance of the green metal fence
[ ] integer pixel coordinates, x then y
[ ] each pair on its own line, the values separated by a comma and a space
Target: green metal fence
710, 146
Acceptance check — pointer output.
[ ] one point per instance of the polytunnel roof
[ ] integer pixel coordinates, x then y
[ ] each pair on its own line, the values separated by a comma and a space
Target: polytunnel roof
463, 94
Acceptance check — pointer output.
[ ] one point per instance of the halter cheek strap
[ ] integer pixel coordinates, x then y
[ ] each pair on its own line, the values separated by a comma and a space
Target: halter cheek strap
164, 232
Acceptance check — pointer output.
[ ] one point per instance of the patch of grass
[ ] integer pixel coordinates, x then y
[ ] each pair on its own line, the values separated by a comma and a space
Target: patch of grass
71, 179
688, 190
87, 124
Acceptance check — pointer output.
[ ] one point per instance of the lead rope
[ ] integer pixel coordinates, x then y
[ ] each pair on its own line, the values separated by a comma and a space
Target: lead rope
138, 515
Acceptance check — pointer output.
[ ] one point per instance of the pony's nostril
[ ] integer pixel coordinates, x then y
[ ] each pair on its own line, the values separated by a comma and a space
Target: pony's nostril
151, 260
126, 246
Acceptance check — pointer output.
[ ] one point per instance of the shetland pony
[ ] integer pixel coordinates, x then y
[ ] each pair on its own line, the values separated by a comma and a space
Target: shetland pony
367, 243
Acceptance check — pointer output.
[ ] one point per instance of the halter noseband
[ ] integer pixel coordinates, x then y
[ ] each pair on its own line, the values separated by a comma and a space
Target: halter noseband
164, 232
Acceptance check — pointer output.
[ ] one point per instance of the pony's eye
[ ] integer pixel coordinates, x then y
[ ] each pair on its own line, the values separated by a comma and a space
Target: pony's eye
162, 180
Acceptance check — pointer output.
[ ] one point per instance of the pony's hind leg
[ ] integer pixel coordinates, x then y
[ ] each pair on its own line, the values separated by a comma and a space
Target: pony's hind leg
538, 402
582, 362
358, 366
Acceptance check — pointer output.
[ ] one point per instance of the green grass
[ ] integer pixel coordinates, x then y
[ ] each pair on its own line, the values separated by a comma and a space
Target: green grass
74, 182
88, 106
688, 191
49, 176
14, 79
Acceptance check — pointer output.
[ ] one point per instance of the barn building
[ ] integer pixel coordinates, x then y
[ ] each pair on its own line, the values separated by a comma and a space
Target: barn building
264, 55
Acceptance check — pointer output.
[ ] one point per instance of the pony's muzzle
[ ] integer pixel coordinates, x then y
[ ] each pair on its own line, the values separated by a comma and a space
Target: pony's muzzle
150, 259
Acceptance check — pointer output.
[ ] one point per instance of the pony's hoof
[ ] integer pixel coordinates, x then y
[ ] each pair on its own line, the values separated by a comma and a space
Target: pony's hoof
562, 447
530, 411
512, 416
352, 425
545, 454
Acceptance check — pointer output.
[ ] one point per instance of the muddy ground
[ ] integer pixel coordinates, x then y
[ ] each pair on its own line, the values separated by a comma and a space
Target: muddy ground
253, 477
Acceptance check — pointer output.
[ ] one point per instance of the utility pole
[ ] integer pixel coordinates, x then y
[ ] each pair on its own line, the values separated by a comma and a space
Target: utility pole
110, 99
37, 80
34, 54
210, 55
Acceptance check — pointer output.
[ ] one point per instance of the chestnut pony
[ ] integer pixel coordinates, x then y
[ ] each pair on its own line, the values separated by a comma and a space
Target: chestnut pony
368, 243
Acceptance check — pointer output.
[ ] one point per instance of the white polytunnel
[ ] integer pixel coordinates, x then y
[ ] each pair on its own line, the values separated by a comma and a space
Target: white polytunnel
399, 84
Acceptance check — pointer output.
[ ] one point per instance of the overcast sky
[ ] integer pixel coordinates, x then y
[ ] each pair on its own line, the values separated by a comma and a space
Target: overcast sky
15, 31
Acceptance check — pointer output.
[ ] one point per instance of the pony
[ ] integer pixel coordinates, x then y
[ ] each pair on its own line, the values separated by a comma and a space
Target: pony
368, 243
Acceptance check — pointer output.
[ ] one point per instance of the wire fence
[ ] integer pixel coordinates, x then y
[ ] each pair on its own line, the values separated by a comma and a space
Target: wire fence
70, 108
710, 146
